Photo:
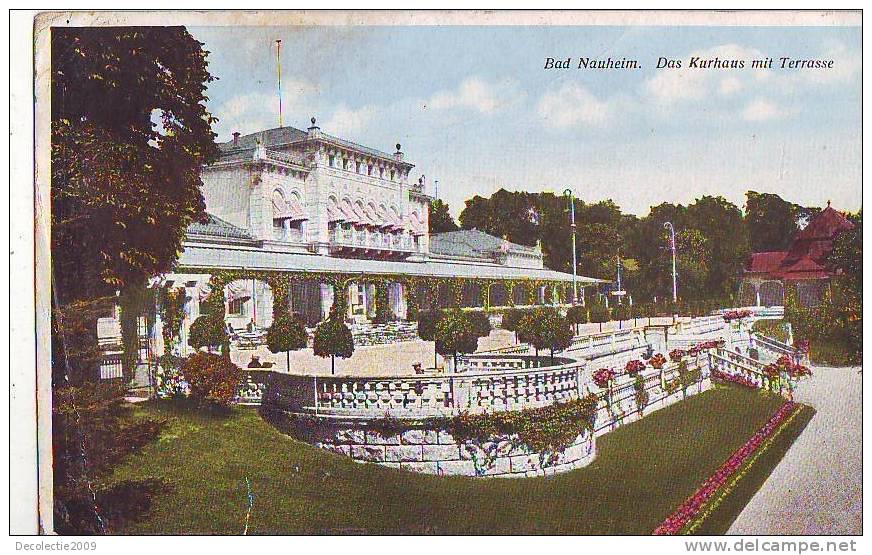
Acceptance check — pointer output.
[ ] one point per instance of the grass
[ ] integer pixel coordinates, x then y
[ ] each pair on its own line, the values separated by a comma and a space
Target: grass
643, 471
727, 512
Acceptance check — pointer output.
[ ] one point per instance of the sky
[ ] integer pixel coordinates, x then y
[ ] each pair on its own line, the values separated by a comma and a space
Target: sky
474, 108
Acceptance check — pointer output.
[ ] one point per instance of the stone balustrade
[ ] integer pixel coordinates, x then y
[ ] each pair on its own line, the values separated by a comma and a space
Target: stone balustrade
736, 364
399, 422
476, 390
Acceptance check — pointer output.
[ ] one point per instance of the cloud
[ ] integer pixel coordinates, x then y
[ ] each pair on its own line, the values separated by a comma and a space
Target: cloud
255, 111
762, 110
477, 94
349, 121
570, 105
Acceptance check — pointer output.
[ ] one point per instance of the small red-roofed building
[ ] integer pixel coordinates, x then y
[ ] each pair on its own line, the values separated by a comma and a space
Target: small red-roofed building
804, 264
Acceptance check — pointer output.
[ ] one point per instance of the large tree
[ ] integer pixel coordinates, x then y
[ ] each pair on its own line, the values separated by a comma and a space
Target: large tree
440, 218
772, 221
129, 133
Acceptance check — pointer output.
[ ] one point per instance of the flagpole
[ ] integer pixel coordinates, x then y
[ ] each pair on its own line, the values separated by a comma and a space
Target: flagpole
279, 68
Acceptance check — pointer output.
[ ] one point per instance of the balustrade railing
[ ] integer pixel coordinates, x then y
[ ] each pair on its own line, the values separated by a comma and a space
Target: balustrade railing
777, 348
371, 240
423, 396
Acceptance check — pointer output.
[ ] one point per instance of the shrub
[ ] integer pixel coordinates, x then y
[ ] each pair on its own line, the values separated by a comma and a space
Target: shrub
212, 379
599, 313
208, 331
577, 315
621, 312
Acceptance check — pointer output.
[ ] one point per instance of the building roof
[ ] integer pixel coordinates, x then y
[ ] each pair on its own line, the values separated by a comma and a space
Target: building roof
207, 257
806, 257
278, 136
474, 244
826, 225
218, 228
766, 262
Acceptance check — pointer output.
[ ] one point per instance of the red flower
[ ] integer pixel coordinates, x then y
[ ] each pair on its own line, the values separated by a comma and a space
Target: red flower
676, 355
692, 506
657, 361
772, 370
603, 376
634, 367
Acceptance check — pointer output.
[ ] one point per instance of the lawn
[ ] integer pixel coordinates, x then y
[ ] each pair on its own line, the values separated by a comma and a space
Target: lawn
642, 472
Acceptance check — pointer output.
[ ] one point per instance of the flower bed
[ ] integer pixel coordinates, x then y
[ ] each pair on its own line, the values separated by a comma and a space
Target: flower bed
731, 378
692, 507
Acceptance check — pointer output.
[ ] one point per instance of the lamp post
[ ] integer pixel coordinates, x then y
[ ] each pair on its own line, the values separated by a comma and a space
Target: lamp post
671, 228
568, 194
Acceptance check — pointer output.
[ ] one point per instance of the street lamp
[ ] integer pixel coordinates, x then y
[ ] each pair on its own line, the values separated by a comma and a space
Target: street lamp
671, 228
568, 194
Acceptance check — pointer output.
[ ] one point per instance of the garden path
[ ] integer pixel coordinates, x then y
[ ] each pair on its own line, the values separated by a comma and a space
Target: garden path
817, 487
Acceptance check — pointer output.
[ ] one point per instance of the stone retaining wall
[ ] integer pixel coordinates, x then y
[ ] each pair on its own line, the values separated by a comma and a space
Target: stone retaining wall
414, 445
430, 451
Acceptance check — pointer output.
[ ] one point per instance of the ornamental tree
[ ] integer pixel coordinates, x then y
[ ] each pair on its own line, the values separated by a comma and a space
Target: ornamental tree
599, 313
511, 318
576, 315
287, 333
208, 331
333, 339
455, 334
427, 320
544, 328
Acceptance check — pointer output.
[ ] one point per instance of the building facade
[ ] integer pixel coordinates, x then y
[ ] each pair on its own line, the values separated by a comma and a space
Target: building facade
299, 217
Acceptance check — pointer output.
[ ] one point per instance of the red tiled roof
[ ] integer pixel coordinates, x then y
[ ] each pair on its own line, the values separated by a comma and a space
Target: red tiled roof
826, 225
766, 262
808, 252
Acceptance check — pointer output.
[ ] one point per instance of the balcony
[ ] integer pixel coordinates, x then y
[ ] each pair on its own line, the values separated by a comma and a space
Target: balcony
366, 241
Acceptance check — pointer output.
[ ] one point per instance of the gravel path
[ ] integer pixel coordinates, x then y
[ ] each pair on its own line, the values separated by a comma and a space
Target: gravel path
817, 487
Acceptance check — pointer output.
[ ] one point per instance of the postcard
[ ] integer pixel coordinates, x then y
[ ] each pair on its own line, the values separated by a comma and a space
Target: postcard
446, 273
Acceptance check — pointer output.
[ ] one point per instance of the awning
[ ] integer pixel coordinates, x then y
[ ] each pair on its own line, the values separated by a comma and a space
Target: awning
208, 257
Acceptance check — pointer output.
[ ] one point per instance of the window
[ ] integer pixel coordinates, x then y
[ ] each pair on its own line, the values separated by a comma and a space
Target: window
345, 163
332, 160
381, 173
369, 170
236, 307
392, 175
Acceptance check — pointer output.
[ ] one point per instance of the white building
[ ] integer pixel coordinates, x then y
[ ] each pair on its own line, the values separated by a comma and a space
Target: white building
325, 216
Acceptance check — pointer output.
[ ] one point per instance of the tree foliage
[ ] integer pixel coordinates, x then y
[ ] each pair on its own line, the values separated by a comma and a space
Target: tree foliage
213, 379
772, 221
333, 339
440, 219
129, 134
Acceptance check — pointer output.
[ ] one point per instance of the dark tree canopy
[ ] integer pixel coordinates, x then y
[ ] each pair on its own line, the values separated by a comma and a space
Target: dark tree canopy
130, 132
772, 221
440, 218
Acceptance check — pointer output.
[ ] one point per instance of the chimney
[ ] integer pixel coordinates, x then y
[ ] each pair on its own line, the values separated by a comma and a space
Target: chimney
314, 130
236, 135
